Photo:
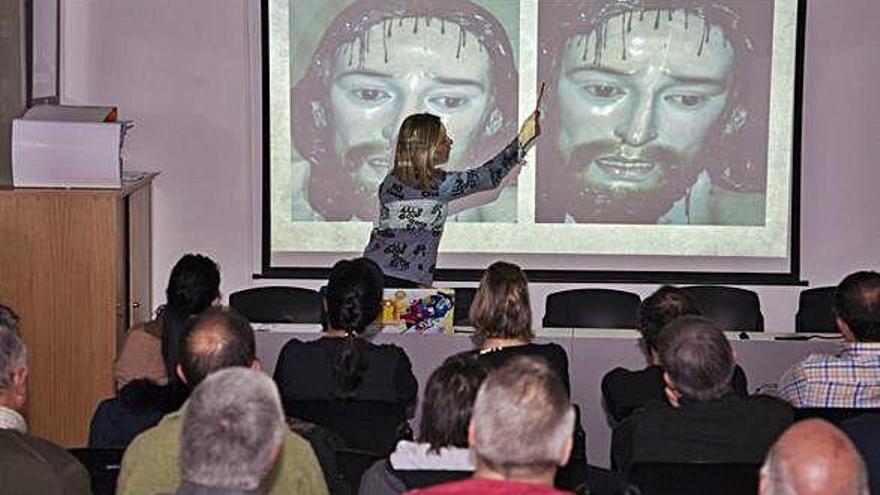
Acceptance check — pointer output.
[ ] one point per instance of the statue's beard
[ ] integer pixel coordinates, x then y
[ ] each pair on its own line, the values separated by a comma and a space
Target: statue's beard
347, 189
612, 186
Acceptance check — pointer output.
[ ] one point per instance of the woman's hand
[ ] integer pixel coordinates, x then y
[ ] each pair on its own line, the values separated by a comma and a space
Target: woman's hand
531, 128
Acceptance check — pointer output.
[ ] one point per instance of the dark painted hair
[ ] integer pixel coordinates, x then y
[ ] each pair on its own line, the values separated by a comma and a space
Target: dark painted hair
193, 285
857, 302
449, 401
354, 300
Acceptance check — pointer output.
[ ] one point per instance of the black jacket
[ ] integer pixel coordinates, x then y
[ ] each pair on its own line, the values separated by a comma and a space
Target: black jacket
727, 430
624, 391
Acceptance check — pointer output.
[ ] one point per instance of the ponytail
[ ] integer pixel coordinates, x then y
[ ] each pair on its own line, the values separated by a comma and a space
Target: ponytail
174, 322
354, 297
349, 367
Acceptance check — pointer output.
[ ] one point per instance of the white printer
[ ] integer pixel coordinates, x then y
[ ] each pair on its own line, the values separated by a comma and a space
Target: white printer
67, 146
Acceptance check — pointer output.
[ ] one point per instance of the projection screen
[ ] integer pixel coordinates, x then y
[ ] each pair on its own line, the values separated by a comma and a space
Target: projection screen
669, 132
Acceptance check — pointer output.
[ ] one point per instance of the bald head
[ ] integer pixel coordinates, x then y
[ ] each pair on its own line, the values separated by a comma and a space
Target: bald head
814, 458
218, 339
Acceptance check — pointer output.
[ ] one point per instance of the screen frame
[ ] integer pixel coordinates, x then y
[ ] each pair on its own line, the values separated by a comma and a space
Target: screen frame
790, 278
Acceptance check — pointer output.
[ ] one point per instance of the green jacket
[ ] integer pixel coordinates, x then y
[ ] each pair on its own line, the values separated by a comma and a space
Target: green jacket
150, 464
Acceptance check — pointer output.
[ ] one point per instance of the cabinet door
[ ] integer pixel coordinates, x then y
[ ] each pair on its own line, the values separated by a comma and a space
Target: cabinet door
140, 282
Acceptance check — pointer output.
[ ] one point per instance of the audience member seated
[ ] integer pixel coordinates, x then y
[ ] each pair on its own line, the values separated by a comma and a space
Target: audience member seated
28, 465
336, 380
231, 434
703, 420
150, 355
813, 458
218, 339
441, 452
520, 432
852, 377
139, 405
502, 318
623, 390
194, 285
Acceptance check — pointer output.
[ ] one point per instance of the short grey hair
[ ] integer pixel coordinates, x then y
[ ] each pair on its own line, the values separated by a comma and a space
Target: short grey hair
232, 427
13, 353
522, 416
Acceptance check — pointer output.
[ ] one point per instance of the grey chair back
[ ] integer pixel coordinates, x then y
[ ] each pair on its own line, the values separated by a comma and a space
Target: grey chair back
278, 304
815, 312
733, 309
592, 308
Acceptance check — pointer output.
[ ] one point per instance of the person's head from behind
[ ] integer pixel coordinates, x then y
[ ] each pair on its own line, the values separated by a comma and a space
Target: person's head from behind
697, 360
522, 422
658, 310
813, 457
13, 362
232, 430
353, 297
217, 339
353, 301
501, 307
382, 60
449, 401
422, 144
857, 306
193, 286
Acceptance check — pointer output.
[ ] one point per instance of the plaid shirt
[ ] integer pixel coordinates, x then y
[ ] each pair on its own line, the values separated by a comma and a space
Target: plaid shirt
850, 379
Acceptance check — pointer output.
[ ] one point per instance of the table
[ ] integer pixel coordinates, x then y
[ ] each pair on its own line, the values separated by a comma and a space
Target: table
591, 353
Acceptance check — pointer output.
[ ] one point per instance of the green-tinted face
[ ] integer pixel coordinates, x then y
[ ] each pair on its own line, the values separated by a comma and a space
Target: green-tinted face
632, 125
412, 71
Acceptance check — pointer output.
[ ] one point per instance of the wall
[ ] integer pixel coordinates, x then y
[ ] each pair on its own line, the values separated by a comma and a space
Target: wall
12, 79
181, 70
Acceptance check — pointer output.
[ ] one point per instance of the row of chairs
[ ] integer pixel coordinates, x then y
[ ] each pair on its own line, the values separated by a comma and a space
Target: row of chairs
733, 308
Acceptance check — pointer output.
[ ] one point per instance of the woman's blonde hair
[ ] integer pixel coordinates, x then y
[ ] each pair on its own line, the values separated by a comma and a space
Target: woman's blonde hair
419, 136
501, 306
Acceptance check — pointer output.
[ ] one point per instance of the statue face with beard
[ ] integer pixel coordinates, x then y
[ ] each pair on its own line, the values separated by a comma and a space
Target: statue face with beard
422, 67
634, 118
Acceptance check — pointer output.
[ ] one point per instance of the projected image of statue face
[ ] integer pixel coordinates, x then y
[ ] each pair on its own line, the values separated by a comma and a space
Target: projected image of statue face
381, 61
631, 126
375, 86
639, 101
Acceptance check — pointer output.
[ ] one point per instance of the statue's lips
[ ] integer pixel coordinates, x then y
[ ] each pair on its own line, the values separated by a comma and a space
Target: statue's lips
372, 170
378, 163
626, 169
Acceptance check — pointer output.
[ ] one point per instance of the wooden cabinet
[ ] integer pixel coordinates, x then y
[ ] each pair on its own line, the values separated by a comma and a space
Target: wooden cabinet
75, 265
